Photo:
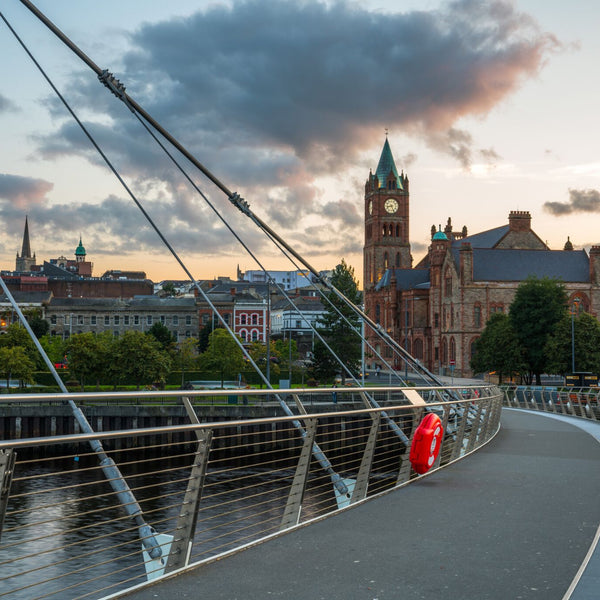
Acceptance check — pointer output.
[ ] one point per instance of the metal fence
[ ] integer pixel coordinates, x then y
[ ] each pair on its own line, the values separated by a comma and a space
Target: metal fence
576, 401
203, 490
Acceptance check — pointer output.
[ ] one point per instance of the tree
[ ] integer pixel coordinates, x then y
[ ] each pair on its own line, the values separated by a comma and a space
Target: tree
54, 347
138, 357
339, 326
89, 356
223, 354
258, 353
16, 364
559, 347
204, 335
163, 336
187, 355
498, 349
168, 289
538, 307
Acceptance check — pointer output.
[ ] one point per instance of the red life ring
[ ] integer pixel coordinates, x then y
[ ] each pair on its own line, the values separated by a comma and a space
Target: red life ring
426, 444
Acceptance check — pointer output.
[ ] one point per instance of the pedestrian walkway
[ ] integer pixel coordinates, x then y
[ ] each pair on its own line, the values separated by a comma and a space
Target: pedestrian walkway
514, 521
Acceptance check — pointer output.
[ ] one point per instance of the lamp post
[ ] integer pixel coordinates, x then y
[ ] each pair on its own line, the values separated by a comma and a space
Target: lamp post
268, 332
574, 308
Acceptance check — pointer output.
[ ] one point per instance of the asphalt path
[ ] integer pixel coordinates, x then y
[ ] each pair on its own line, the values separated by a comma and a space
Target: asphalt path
515, 520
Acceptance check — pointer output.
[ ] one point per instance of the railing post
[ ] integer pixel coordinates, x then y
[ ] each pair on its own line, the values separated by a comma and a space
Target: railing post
362, 480
404, 471
7, 467
460, 434
181, 546
291, 514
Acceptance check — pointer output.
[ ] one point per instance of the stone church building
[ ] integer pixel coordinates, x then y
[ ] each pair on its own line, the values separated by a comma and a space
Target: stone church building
439, 307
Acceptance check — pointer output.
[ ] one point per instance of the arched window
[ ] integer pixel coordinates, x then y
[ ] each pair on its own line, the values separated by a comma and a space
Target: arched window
244, 335
384, 230
397, 230
377, 313
444, 352
385, 260
391, 230
452, 349
397, 259
254, 335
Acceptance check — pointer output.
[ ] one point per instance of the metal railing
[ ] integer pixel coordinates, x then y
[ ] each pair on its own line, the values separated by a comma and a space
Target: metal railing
210, 488
581, 402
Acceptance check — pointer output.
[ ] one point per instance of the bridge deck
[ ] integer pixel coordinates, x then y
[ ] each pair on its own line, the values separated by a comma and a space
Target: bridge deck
515, 520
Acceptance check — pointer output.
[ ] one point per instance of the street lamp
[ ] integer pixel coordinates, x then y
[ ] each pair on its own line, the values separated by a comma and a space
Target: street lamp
574, 308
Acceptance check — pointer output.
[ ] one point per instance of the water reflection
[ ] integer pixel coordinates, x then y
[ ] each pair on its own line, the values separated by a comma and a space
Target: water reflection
66, 537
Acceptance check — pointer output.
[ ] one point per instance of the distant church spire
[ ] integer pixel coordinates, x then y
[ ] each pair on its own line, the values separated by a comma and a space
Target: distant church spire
26, 248
26, 260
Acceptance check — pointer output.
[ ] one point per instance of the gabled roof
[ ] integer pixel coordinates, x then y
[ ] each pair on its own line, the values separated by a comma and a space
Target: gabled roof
504, 264
485, 239
406, 279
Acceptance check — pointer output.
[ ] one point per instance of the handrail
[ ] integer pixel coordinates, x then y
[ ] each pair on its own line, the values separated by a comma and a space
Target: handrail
211, 487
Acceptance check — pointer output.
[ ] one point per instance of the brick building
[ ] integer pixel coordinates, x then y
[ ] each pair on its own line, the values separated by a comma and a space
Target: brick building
438, 309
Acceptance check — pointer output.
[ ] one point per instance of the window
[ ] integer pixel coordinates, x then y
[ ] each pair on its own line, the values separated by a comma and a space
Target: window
93, 320
188, 334
80, 320
53, 319
163, 319
115, 333
385, 260
448, 286
243, 319
377, 313
254, 319
188, 319
244, 336
418, 348
106, 320
477, 316
397, 259
175, 320
452, 350
117, 319
148, 319
298, 324
66, 319
436, 319
125, 319
136, 319
226, 318
254, 335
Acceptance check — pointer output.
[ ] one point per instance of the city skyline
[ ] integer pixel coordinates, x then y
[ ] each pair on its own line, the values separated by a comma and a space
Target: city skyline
487, 109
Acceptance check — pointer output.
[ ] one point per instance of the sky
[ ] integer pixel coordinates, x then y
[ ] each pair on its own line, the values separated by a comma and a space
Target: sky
488, 106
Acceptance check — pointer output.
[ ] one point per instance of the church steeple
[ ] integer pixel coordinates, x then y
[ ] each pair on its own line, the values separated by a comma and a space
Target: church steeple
26, 248
26, 260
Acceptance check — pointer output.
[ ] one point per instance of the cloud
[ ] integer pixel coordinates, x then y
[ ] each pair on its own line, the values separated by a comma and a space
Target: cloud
23, 192
6, 105
580, 201
273, 94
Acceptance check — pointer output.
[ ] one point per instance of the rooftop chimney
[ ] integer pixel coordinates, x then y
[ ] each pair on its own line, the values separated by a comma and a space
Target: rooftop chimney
519, 220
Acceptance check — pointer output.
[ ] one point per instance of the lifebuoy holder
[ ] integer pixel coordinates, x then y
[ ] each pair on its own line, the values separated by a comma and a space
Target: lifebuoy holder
426, 443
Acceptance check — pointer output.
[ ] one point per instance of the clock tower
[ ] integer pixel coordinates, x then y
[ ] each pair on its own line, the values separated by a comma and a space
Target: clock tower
386, 221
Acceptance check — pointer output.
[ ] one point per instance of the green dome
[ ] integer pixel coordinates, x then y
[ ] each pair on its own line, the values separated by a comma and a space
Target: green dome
440, 235
80, 250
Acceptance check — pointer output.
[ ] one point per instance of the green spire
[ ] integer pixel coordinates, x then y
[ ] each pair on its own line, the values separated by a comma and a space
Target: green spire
387, 164
80, 250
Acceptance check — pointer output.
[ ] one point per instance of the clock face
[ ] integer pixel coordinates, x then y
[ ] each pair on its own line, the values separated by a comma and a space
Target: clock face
391, 205
370, 207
